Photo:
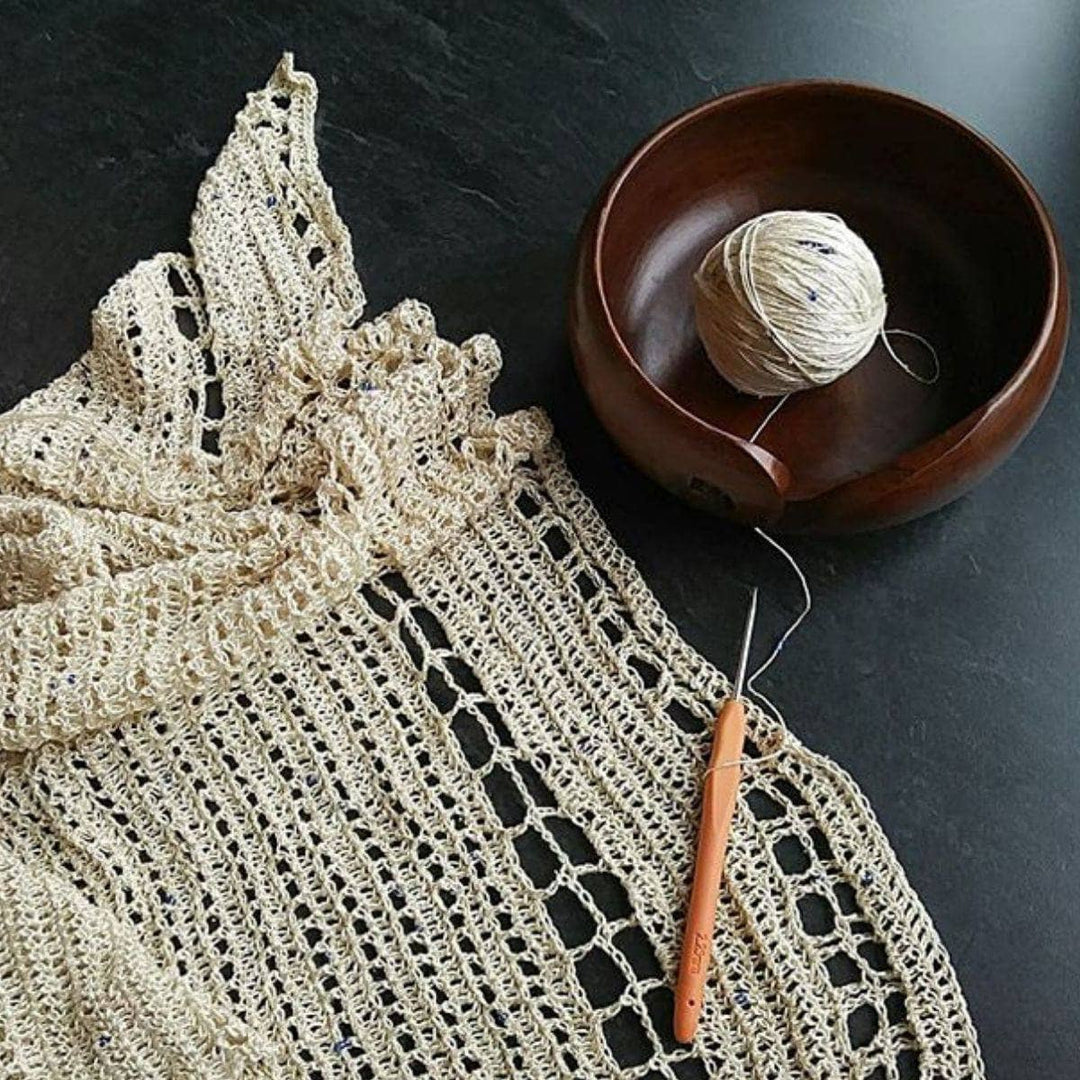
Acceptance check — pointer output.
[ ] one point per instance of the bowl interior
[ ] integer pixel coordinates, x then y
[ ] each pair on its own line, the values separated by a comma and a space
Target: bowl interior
965, 261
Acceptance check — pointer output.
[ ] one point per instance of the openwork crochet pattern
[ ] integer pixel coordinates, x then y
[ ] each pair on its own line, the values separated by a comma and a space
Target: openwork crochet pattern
340, 740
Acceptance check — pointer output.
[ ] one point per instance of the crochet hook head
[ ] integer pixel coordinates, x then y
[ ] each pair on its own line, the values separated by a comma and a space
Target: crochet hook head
744, 651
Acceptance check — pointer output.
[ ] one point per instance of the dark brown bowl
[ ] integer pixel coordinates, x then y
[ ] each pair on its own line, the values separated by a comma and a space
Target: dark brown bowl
970, 258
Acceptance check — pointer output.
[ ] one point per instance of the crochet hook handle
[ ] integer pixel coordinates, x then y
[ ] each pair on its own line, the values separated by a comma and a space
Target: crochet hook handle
718, 806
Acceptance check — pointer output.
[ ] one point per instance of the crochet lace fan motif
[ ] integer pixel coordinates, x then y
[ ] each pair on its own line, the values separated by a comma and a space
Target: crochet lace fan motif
340, 740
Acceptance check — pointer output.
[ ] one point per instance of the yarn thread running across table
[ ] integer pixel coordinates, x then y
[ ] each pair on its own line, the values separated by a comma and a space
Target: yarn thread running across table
790, 300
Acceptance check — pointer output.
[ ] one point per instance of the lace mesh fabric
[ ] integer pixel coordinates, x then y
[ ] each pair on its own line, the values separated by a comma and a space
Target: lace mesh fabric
339, 738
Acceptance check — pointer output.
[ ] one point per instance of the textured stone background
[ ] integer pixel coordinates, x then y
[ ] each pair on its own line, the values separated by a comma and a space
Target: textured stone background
465, 142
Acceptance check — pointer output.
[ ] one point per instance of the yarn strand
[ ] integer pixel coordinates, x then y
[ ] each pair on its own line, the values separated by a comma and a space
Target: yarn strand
926, 380
808, 603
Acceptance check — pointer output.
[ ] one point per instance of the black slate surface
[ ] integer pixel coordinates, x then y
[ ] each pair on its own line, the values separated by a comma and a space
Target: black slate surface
464, 142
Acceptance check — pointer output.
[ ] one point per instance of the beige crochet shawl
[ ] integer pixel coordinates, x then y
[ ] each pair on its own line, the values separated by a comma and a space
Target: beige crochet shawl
340, 740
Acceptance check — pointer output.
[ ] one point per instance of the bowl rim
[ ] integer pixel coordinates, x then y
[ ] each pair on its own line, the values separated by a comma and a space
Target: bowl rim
924, 454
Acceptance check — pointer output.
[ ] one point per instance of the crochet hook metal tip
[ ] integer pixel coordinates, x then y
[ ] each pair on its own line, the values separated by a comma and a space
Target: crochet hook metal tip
744, 649
717, 807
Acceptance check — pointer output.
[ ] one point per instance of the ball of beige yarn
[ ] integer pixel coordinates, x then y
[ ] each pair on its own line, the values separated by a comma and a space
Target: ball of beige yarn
790, 300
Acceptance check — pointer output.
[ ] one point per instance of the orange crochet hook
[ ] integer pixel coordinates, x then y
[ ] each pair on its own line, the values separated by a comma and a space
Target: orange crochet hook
717, 808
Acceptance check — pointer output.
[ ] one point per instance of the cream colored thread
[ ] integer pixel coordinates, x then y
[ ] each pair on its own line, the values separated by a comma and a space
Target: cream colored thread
808, 604
745, 762
768, 417
926, 380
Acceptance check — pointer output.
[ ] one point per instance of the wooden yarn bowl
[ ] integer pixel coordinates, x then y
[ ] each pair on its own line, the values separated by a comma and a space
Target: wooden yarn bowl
970, 258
